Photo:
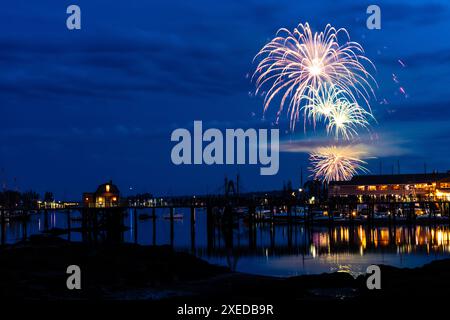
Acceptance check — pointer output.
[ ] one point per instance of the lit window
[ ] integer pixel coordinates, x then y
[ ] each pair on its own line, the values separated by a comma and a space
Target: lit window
361, 188
107, 188
383, 188
372, 188
396, 187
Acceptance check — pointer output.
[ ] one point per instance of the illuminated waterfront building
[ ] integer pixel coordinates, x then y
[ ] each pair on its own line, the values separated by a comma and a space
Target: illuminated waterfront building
107, 195
433, 186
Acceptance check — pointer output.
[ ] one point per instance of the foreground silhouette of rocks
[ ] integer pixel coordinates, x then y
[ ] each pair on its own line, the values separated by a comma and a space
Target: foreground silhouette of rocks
36, 270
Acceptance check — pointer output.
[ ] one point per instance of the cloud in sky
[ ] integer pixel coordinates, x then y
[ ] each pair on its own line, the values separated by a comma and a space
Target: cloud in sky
370, 146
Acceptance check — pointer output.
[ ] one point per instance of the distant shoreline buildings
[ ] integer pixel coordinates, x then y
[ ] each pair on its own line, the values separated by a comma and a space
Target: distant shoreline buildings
432, 187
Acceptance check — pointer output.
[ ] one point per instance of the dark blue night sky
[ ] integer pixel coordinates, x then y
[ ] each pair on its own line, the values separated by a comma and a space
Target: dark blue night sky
82, 107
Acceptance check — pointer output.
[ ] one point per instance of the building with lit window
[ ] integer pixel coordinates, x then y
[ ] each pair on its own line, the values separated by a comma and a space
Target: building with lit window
434, 186
107, 195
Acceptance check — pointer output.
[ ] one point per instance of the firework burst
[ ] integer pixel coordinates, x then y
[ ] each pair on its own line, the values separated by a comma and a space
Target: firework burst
345, 118
298, 63
319, 105
331, 104
336, 163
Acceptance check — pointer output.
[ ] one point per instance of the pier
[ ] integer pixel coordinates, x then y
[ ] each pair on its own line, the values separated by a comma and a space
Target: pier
107, 223
102, 212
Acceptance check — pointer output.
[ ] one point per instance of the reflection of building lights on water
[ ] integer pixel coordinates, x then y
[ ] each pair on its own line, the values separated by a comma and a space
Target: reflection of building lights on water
312, 249
362, 237
344, 268
404, 241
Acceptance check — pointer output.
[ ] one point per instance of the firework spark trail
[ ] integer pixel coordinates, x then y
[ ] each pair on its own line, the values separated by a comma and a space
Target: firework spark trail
299, 62
345, 118
321, 102
336, 163
332, 105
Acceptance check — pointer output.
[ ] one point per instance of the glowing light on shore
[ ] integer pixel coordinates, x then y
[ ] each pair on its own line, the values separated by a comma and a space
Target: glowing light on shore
296, 64
336, 163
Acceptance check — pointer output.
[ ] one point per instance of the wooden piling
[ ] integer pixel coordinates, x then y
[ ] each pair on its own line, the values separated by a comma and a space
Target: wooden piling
228, 230
46, 219
171, 226
193, 230
251, 214
289, 231
272, 236
3, 226
135, 225
69, 225
209, 229
251, 225
24, 224
154, 226
94, 219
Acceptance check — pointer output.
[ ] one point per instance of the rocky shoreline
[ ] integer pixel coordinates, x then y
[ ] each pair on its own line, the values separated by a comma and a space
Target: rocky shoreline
36, 270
